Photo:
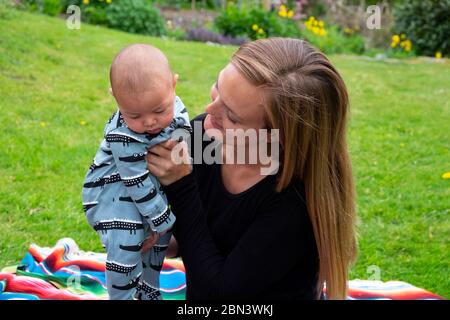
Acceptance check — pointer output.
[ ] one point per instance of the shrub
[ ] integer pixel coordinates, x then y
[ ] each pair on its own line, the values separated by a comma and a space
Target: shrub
426, 23
135, 16
92, 11
401, 46
95, 12
51, 7
48, 7
66, 3
233, 21
273, 23
330, 39
255, 23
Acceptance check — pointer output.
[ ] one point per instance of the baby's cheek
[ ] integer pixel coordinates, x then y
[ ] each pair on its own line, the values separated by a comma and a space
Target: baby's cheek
168, 119
135, 126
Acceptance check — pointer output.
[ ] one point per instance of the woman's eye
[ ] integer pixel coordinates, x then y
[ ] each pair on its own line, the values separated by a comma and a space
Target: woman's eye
231, 119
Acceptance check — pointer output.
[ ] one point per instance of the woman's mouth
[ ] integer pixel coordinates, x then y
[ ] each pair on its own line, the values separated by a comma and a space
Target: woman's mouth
214, 123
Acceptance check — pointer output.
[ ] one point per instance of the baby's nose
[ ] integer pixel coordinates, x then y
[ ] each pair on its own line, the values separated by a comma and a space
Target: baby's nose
149, 122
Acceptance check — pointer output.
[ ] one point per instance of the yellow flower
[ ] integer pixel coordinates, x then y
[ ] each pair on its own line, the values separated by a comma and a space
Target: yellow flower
438, 55
108, 1
261, 31
311, 18
315, 30
322, 32
282, 11
82, 122
255, 27
446, 176
407, 44
321, 24
395, 38
393, 44
290, 14
43, 124
85, 1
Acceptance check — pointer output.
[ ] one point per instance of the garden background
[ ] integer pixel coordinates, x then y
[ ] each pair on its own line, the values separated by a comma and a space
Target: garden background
54, 102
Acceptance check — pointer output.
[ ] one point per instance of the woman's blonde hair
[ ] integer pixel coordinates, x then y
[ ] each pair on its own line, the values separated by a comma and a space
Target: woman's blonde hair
307, 100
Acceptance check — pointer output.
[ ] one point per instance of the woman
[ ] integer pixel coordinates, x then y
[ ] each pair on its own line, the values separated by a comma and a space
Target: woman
245, 235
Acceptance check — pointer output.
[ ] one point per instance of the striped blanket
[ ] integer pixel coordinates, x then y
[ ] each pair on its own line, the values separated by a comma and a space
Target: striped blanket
66, 273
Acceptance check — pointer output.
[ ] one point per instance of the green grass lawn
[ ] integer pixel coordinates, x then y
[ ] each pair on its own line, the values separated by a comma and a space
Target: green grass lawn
53, 79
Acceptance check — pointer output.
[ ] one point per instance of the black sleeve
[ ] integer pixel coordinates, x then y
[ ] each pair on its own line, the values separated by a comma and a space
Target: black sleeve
272, 242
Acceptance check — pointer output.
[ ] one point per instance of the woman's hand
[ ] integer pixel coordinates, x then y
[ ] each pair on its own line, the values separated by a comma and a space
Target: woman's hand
169, 161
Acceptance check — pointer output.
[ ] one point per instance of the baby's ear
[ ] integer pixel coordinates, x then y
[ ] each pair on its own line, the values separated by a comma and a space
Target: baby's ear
175, 79
110, 91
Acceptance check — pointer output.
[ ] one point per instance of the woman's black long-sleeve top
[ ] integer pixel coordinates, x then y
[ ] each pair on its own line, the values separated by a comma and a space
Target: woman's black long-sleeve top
258, 244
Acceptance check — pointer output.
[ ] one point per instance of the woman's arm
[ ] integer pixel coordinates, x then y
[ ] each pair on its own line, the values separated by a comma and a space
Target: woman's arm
276, 241
271, 247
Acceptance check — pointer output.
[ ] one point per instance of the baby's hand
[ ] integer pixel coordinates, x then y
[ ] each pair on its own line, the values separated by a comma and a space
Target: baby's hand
151, 241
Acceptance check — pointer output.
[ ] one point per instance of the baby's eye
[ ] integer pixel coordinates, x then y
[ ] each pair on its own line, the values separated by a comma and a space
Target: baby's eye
134, 117
159, 111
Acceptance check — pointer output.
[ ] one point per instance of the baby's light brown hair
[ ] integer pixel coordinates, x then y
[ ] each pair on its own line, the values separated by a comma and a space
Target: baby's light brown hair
138, 68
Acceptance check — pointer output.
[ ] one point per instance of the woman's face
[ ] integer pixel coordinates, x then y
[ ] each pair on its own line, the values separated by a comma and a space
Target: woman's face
235, 103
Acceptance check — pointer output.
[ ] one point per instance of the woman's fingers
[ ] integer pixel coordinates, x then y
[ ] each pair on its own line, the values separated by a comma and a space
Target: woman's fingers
160, 151
169, 161
155, 170
169, 144
164, 148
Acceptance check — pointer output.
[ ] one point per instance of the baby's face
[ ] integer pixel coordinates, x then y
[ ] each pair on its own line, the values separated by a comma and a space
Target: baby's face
148, 112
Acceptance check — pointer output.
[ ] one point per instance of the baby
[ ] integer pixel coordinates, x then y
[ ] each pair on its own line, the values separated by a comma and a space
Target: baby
123, 202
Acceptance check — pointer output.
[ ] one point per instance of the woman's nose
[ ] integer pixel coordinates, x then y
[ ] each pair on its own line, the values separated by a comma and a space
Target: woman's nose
212, 108
213, 92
